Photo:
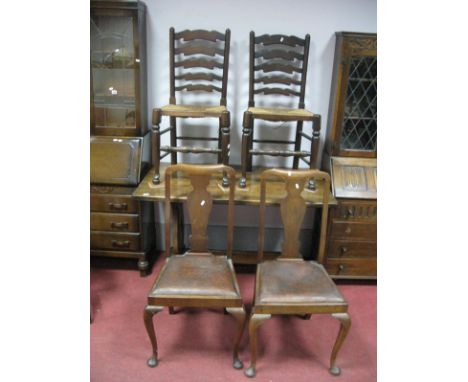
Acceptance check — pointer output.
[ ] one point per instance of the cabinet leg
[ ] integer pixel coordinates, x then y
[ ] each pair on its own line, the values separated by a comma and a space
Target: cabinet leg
143, 266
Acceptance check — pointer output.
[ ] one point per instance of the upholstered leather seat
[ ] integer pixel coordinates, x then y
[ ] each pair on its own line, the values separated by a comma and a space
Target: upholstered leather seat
277, 114
189, 111
201, 275
295, 281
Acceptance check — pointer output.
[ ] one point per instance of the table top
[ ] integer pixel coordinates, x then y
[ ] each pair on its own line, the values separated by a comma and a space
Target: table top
250, 195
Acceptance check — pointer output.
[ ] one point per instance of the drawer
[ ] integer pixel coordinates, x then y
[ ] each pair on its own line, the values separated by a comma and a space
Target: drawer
353, 230
101, 221
351, 249
115, 240
352, 267
113, 203
355, 210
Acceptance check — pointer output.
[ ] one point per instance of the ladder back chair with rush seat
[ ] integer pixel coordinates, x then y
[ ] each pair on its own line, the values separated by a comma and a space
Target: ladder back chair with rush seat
286, 57
199, 62
290, 285
197, 278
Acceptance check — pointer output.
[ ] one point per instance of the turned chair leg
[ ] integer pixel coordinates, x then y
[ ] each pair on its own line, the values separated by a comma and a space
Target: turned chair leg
246, 135
240, 316
148, 314
345, 322
255, 321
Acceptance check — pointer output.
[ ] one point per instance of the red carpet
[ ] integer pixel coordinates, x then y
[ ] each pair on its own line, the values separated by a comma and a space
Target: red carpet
196, 345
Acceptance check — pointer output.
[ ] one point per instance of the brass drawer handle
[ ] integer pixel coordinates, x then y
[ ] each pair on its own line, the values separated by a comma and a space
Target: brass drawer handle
121, 244
350, 212
344, 250
119, 225
348, 230
118, 206
340, 268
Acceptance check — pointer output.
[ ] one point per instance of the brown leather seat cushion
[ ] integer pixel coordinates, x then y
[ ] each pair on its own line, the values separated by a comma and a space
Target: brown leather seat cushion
203, 275
295, 281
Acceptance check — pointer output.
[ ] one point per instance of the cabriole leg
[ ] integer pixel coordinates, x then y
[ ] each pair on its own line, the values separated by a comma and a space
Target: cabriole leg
255, 321
240, 316
148, 314
345, 322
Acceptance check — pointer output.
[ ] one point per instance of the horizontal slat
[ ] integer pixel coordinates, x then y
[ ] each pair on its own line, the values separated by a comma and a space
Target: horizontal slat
196, 139
199, 63
279, 39
273, 141
198, 76
279, 53
280, 153
277, 80
190, 49
282, 91
199, 88
272, 67
195, 150
199, 34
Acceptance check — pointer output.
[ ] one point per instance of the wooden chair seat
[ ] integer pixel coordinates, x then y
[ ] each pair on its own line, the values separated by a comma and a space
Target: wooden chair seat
278, 114
191, 111
196, 275
294, 282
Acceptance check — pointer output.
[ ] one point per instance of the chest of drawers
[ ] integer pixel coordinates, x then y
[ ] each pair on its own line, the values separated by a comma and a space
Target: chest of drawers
120, 225
352, 240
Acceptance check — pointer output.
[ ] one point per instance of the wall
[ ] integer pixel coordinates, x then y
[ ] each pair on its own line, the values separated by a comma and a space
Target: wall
320, 18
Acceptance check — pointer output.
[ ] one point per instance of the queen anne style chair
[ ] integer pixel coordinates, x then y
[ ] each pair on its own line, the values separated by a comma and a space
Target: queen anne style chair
291, 285
286, 57
207, 52
197, 278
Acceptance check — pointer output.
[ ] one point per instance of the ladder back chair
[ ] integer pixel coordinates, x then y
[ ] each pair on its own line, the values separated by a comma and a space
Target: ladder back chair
197, 278
289, 284
286, 57
199, 62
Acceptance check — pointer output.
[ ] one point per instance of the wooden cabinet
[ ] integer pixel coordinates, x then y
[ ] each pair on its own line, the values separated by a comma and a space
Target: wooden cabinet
118, 68
120, 154
350, 156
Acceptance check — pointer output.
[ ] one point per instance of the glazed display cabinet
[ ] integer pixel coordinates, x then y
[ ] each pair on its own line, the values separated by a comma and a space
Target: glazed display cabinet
121, 227
350, 156
118, 68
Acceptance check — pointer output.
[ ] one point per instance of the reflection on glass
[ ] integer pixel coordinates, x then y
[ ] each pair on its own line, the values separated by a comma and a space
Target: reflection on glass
113, 71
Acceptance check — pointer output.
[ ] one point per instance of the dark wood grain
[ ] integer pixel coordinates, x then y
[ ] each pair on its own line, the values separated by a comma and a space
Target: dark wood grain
191, 49
281, 91
199, 88
198, 76
279, 39
198, 63
277, 67
199, 34
279, 53
277, 80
